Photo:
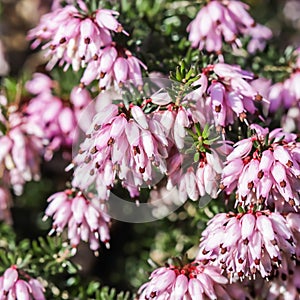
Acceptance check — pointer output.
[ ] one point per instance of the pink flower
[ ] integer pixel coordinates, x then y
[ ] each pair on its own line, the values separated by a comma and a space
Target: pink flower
13, 287
259, 36
122, 143
181, 122
21, 148
246, 243
192, 281
84, 40
263, 168
56, 118
225, 95
114, 66
174, 120
72, 35
83, 216
222, 20
83, 108
195, 179
286, 94
106, 20
39, 84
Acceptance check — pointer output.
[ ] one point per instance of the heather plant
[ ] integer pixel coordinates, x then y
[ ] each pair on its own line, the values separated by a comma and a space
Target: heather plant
150, 150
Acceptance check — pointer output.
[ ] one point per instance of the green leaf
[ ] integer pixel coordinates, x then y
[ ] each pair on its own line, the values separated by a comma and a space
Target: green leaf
182, 69
205, 133
196, 157
240, 209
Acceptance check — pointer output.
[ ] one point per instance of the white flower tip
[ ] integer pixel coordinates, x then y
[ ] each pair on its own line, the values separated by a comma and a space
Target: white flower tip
52, 231
73, 251
125, 32
69, 167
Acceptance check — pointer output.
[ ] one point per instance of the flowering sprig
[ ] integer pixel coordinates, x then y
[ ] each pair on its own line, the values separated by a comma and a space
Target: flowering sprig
122, 142
56, 114
83, 215
27, 267
83, 39
12, 286
22, 146
195, 280
196, 170
249, 242
222, 20
264, 168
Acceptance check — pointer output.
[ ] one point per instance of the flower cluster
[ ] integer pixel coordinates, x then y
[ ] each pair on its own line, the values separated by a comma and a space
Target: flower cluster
113, 65
250, 242
184, 171
21, 146
83, 216
56, 117
195, 179
192, 281
286, 96
226, 20
12, 286
121, 143
81, 38
225, 94
266, 165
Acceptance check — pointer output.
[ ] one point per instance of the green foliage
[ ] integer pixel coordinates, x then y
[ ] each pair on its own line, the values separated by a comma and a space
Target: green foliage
66, 81
157, 30
50, 259
273, 63
94, 291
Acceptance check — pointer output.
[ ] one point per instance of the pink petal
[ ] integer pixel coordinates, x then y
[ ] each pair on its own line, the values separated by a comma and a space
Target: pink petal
266, 161
107, 59
78, 207
180, 288
10, 276
139, 116
118, 127
247, 225
195, 289
132, 133
264, 225
23, 290
242, 149
121, 69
